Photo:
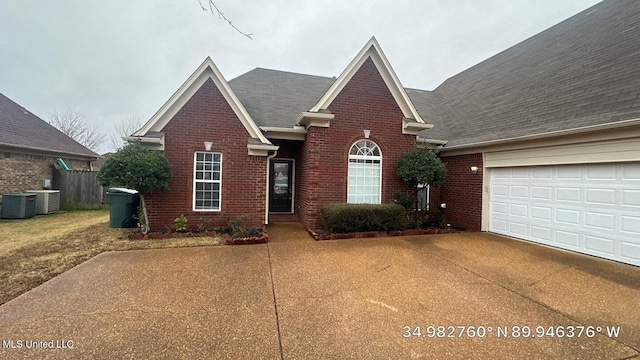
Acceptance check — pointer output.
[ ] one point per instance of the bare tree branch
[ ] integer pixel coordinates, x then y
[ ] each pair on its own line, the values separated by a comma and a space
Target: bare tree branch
74, 126
125, 127
215, 10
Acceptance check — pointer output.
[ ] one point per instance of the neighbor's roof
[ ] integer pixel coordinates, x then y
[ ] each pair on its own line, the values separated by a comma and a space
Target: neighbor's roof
22, 129
582, 72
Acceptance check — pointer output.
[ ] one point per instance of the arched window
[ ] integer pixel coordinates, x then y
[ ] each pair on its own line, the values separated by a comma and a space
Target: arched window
364, 180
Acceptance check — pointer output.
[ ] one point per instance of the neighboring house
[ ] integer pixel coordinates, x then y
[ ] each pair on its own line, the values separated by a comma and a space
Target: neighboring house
29, 147
552, 125
99, 162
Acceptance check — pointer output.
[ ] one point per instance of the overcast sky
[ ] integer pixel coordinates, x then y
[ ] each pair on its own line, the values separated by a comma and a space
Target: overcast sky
120, 58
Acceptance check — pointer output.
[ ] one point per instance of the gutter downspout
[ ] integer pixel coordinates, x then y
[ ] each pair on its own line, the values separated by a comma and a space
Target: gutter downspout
266, 198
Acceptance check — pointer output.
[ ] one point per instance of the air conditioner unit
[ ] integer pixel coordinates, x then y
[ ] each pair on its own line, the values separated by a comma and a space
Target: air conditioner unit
47, 201
18, 206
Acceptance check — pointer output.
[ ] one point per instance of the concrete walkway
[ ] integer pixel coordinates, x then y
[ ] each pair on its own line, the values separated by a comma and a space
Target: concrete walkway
295, 298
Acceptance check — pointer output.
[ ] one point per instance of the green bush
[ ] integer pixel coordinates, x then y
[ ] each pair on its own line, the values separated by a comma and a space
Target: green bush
345, 218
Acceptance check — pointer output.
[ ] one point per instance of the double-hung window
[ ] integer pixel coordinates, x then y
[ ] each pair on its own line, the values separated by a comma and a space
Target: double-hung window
364, 173
207, 181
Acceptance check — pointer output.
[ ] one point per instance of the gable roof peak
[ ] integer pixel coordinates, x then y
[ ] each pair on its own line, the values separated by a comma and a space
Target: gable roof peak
373, 51
207, 70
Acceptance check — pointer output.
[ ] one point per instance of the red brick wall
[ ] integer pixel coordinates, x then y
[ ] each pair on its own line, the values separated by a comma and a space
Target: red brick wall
364, 103
208, 117
462, 191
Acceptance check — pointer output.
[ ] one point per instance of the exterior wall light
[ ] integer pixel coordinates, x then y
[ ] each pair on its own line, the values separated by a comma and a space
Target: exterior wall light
474, 169
207, 145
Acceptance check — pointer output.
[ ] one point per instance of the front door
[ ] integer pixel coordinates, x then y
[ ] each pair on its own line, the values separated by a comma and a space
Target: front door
280, 185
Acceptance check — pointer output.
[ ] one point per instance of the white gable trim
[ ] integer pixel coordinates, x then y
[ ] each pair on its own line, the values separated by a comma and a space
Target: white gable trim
207, 70
371, 50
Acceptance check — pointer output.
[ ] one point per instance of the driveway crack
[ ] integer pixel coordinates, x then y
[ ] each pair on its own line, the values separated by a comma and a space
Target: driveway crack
275, 303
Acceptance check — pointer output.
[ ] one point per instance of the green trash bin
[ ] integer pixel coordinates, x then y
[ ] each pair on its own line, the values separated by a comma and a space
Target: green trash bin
123, 207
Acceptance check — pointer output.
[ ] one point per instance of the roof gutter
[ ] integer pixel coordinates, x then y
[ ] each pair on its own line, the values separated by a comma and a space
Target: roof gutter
574, 131
51, 151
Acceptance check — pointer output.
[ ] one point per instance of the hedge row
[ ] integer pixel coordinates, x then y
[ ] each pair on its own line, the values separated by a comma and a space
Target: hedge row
346, 218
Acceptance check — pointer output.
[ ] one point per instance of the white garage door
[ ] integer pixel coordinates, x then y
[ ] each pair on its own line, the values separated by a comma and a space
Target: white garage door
592, 209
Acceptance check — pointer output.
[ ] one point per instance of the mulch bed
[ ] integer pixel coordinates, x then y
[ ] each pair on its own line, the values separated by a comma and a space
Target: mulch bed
373, 234
227, 239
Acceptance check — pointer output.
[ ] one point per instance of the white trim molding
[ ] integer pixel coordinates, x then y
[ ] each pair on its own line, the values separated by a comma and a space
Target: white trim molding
373, 51
292, 133
410, 127
320, 119
207, 70
261, 149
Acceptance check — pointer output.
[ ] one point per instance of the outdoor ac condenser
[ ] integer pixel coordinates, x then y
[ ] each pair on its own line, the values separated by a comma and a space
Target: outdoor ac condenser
18, 206
47, 201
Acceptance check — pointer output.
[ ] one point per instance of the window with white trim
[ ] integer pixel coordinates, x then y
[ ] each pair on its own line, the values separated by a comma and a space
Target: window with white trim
364, 179
423, 197
207, 181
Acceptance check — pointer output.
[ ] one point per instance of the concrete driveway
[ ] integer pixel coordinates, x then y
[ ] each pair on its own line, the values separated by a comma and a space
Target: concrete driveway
298, 299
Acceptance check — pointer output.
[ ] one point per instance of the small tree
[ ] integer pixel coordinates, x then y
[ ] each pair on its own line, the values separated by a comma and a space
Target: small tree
135, 167
421, 166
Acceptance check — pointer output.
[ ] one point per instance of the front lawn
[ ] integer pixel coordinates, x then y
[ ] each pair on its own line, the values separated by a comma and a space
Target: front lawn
35, 250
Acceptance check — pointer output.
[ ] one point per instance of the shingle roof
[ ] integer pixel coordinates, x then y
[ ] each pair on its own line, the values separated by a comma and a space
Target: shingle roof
581, 72
277, 98
20, 128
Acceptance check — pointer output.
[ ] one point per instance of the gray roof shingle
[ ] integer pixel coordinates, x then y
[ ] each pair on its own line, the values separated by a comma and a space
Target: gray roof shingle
277, 98
583, 71
20, 128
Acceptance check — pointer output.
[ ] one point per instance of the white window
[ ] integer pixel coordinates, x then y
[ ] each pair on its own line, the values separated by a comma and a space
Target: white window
364, 173
423, 197
207, 181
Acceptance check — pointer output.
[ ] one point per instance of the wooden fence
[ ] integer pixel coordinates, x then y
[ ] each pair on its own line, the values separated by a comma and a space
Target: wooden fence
79, 189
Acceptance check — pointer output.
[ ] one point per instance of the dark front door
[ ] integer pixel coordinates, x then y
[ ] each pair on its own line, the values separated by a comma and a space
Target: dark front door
280, 185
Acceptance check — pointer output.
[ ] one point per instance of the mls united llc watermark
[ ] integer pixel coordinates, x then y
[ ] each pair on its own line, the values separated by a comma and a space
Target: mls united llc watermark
37, 344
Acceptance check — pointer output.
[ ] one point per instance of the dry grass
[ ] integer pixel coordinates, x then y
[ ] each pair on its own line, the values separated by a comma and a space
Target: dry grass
35, 250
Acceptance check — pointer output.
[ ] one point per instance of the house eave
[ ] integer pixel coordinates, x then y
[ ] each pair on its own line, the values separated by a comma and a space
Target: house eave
292, 133
153, 143
261, 149
545, 135
411, 127
50, 152
319, 119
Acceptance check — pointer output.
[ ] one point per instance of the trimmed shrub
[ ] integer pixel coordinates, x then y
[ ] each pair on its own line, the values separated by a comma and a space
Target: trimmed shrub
345, 218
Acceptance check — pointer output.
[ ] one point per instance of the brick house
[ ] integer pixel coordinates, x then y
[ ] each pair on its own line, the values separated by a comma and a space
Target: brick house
541, 142
29, 147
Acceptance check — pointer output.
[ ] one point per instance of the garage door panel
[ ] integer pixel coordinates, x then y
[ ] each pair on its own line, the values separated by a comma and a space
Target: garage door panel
541, 234
500, 190
518, 210
600, 220
542, 192
630, 171
591, 208
571, 194
569, 172
568, 239
631, 197
599, 244
566, 216
630, 252
519, 191
541, 213
631, 224
601, 196
518, 228
601, 172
